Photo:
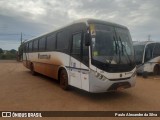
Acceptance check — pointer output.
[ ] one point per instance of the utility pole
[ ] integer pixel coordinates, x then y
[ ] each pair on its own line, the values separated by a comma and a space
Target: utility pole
20, 52
21, 38
149, 37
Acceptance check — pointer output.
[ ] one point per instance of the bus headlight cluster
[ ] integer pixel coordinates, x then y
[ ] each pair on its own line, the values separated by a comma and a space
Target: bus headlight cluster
134, 74
100, 76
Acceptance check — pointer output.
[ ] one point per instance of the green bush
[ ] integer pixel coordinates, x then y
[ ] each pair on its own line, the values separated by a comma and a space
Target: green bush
8, 56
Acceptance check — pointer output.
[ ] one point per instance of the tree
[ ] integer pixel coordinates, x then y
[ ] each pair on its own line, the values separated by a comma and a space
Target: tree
1, 50
13, 51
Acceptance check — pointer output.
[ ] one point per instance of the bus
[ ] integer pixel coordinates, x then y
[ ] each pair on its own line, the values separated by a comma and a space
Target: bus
92, 55
147, 57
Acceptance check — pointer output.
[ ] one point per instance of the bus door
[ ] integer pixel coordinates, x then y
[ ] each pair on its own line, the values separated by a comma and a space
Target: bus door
75, 61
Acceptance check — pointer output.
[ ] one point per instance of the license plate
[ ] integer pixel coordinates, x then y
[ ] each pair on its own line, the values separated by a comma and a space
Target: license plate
120, 88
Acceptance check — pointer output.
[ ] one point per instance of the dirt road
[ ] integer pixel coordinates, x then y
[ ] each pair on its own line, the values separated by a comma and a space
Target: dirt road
19, 90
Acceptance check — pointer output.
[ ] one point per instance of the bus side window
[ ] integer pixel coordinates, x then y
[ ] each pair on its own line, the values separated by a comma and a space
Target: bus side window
156, 51
35, 45
76, 45
62, 41
30, 46
51, 42
149, 52
24, 48
147, 55
27, 50
42, 44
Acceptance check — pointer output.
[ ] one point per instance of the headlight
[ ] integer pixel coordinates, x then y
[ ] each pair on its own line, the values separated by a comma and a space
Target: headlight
134, 74
97, 74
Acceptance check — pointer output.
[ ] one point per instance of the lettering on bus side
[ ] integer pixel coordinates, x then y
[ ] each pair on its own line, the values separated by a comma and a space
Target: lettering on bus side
44, 56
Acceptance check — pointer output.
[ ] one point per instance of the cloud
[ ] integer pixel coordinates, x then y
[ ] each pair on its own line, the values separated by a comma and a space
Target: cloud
38, 16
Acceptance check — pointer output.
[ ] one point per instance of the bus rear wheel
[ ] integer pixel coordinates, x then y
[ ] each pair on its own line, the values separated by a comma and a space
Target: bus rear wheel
63, 77
156, 70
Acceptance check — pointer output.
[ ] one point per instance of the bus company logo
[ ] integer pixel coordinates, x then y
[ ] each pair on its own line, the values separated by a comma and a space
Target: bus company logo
6, 114
21, 114
128, 73
44, 56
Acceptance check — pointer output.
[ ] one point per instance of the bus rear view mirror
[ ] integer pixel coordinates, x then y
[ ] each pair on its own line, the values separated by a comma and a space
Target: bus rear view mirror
87, 39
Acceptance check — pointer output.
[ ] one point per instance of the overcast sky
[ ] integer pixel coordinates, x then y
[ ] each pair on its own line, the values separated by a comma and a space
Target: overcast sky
35, 17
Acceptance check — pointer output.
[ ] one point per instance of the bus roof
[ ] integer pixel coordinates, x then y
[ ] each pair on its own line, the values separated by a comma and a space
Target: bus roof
143, 42
86, 21
90, 20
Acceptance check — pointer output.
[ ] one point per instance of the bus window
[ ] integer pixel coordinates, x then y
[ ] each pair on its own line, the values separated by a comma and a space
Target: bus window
62, 40
124, 40
156, 51
30, 46
24, 48
76, 45
51, 42
27, 48
139, 49
42, 44
35, 45
85, 58
149, 52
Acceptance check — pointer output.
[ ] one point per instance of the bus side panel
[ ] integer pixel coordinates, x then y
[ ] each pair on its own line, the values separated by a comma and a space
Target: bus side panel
26, 64
49, 66
149, 66
46, 69
85, 77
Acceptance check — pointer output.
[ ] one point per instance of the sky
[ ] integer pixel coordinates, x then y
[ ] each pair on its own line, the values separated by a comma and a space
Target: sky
35, 17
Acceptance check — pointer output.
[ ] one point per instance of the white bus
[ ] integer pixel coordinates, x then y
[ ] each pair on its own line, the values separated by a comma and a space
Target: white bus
93, 55
147, 55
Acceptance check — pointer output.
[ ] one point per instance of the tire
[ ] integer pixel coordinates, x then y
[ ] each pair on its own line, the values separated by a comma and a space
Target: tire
32, 70
156, 70
63, 77
145, 74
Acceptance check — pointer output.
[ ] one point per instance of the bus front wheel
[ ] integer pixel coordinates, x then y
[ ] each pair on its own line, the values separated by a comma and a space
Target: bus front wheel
156, 70
145, 74
63, 77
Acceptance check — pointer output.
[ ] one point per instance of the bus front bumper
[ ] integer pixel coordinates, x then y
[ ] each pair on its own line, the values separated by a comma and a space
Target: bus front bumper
97, 85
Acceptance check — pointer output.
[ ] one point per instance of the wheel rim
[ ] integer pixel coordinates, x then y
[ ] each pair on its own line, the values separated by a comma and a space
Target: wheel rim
63, 79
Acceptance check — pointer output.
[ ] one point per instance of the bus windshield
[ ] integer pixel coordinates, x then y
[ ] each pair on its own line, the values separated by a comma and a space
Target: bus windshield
139, 50
112, 45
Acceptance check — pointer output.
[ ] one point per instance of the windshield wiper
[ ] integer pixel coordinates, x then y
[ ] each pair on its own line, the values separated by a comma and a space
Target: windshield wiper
116, 45
117, 48
111, 57
125, 50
